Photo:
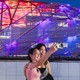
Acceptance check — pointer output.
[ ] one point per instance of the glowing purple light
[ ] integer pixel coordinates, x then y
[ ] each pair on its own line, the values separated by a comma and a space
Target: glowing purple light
47, 39
69, 22
51, 2
79, 10
14, 44
69, 16
41, 41
63, 8
74, 20
8, 46
45, 23
68, 4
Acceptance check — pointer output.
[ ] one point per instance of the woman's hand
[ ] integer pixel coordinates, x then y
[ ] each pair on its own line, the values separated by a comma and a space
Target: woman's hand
53, 48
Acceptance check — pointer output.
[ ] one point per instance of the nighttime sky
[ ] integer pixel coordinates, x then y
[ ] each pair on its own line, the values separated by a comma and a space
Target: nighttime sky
74, 3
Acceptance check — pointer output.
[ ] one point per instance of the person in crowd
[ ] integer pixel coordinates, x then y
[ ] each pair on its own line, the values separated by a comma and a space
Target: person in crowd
45, 68
31, 69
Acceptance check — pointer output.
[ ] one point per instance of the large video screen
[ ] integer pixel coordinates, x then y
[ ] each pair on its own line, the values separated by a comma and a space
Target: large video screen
46, 32
47, 23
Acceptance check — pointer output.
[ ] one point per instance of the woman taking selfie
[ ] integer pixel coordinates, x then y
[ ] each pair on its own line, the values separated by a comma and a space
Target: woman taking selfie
45, 68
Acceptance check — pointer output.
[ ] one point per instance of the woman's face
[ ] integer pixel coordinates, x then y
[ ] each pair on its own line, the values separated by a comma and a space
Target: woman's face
35, 56
42, 51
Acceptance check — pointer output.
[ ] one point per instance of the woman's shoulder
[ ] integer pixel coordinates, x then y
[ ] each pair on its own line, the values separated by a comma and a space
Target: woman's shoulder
27, 65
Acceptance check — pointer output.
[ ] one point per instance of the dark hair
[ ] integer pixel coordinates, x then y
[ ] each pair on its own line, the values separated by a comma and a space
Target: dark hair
31, 50
38, 46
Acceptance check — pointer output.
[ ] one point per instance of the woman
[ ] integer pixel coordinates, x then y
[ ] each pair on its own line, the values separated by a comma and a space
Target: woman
44, 68
31, 70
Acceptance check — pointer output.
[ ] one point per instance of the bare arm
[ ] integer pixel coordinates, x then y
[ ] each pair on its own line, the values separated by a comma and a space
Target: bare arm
25, 67
48, 67
45, 57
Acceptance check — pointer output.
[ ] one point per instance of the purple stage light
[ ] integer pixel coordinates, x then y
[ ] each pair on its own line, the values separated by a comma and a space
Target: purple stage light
45, 23
51, 2
69, 22
74, 20
41, 41
79, 10
8, 46
68, 4
13, 44
63, 8
47, 39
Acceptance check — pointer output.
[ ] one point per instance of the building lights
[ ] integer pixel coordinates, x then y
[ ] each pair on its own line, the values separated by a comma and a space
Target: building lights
5, 37
62, 24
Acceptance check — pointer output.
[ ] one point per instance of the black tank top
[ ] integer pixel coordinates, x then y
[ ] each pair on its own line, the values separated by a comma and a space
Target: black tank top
48, 76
